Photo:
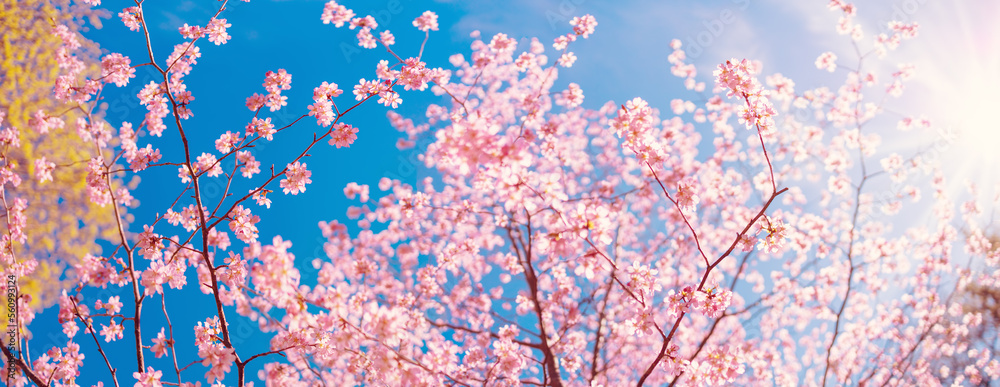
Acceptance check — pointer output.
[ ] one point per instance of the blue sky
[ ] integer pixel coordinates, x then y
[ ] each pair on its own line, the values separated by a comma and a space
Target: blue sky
625, 58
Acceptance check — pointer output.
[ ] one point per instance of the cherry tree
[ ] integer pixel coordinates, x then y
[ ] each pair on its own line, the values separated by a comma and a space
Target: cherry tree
553, 245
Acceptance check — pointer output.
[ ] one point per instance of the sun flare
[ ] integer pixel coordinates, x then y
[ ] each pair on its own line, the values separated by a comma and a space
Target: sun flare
959, 89
974, 109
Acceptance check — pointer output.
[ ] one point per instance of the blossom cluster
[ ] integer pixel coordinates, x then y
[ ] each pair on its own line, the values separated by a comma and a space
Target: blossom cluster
274, 83
737, 76
711, 302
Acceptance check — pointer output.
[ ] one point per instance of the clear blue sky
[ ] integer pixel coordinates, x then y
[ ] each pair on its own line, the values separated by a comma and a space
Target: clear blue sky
625, 58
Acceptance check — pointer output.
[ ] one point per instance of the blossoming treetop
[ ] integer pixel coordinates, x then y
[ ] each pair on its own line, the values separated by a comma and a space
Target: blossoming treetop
557, 245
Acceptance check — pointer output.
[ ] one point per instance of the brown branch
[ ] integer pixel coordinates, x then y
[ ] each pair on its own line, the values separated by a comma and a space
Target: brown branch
24, 367
550, 368
666, 340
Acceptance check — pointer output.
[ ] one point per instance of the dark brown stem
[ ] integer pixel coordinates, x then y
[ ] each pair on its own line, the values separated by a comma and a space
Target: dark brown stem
551, 369
24, 367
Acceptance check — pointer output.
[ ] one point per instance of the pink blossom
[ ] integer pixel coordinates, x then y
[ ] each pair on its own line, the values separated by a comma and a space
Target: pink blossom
275, 101
260, 196
572, 96
227, 141
567, 59
149, 378
774, 240
296, 178
216, 31
584, 25
131, 17
737, 77
428, 21
250, 165
243, 224
218, 358
501, 44
722, 366
343, 135
256, 101
366, 39
365, 89
747, 242
641, 279
323, 111
42, 123
687, 196
113, 306
17, 221
368, 22
524, 61
149, 243
154, 277
326, 91
116, 69
414, 75
140, 159
716, 302
43, 169
387, 38
218, 239
262, 128
160, 344
70, 328
827, 61
336, 14
191, 32
208, 164
112, 332
562, 41
389, 98
384, 72
354, 189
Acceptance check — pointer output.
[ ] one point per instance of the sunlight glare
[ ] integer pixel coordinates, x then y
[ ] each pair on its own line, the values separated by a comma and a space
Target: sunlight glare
977, 119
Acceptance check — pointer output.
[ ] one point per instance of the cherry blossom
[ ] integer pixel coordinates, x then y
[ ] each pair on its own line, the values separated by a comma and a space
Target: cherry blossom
343, 135
161, 344
216, 31
262, 128
111, 332
43, 169
827, 61
552, 244
148, 378
296, 178
116, 69
428, 21
131, 17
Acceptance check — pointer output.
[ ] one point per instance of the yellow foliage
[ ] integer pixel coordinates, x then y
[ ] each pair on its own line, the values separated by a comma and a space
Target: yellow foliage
62, 224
